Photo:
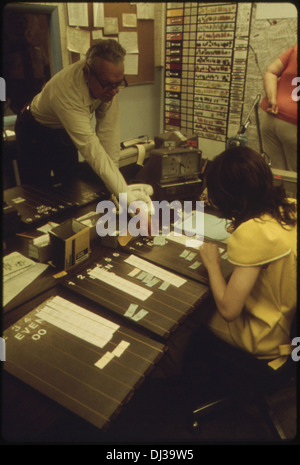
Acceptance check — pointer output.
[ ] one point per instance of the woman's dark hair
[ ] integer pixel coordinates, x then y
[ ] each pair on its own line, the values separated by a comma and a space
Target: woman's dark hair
240, 184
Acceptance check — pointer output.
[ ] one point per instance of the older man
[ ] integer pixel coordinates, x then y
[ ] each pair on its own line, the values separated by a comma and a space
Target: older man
77, 110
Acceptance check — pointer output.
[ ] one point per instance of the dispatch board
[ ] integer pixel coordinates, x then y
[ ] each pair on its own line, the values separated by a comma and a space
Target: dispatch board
35, 204
80, 359
182, 259
145, 294
205, 71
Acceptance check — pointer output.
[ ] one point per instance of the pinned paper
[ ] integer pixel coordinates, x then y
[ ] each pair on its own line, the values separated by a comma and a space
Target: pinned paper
98, 14
129, 20
111, 26
78, 14
145, 10
97, 34
129, 40
78, 41
131, 63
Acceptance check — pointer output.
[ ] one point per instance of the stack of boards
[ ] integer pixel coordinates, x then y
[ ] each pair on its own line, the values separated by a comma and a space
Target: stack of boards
84, 360
35, 204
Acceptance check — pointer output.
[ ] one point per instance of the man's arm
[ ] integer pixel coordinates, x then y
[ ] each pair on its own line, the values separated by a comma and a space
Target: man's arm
77, 123
108, 129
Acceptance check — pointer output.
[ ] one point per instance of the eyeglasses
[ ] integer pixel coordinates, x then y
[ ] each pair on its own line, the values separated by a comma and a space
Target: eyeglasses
108, 86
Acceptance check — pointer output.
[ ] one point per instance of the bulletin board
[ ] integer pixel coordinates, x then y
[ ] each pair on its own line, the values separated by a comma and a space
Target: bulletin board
145, 35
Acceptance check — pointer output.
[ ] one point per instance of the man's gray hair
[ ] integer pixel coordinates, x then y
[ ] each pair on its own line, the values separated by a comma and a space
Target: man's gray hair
108, 49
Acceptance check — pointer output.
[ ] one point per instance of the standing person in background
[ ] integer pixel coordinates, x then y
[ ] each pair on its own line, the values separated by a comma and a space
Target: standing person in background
279, 116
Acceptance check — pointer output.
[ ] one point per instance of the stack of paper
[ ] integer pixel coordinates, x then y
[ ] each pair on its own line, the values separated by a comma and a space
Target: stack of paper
18, 272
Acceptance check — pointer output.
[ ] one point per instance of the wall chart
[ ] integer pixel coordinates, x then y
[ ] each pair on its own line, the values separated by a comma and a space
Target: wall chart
205, 69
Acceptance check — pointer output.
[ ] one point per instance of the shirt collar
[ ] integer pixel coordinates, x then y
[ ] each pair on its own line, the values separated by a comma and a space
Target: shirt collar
87, 98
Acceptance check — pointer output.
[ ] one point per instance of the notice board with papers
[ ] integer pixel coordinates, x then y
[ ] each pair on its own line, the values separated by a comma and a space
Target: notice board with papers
123, 22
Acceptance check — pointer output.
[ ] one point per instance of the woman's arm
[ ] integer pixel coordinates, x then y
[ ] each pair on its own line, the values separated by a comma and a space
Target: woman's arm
271, 76
230, 297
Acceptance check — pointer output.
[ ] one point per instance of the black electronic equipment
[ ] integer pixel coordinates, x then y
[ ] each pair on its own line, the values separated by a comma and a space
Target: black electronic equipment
175, 173
175, 139
175, 164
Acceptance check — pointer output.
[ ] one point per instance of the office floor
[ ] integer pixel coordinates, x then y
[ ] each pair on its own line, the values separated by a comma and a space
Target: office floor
159, 414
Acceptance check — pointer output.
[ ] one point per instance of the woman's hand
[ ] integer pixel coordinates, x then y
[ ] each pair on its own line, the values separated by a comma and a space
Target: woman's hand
230, 297
210, 255
272, 106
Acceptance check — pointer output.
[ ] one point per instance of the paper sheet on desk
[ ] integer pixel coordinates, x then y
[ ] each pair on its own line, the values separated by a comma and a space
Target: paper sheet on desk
18, 272
214, 227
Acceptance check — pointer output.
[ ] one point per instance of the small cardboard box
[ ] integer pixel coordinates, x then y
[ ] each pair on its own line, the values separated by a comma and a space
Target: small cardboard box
70, 244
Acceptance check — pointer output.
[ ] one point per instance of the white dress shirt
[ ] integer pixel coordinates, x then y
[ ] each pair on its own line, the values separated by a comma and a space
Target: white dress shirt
65, 102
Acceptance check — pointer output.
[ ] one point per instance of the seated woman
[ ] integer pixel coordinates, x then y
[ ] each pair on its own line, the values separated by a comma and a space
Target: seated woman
255, 308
